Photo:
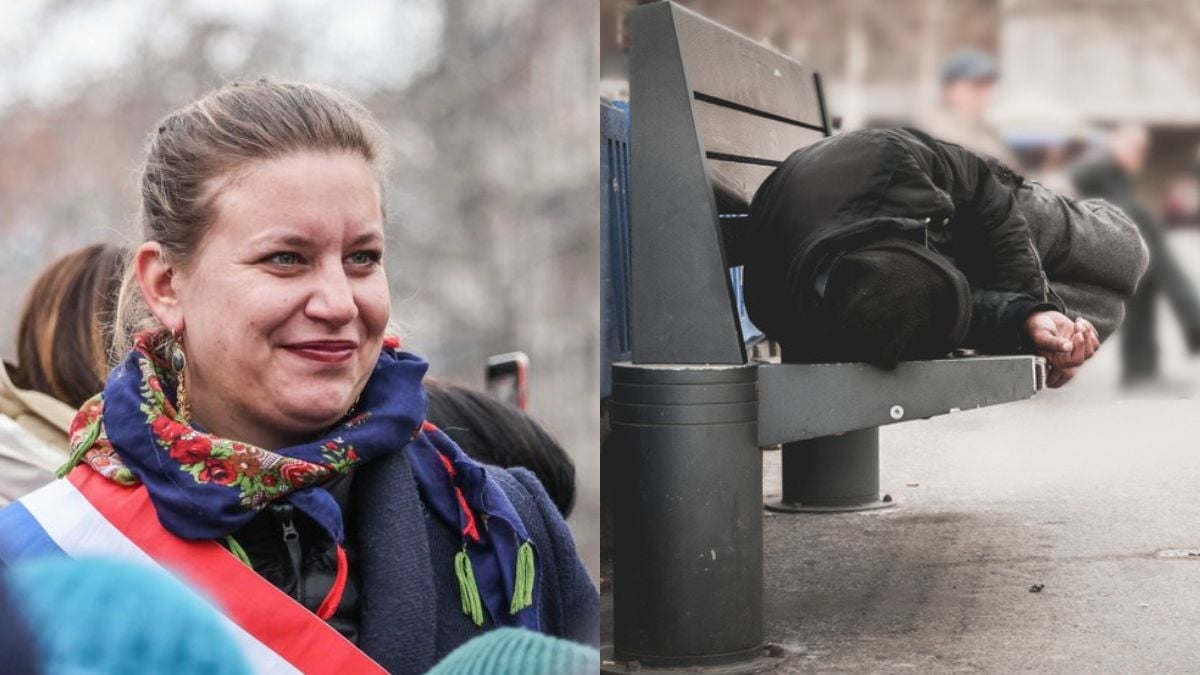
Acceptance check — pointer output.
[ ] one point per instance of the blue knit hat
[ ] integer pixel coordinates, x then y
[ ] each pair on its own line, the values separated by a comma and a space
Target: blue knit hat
515, 650
16, 641
100, 616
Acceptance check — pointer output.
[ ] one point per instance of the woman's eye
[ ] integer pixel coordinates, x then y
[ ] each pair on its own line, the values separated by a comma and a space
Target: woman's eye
364, 258
284, 259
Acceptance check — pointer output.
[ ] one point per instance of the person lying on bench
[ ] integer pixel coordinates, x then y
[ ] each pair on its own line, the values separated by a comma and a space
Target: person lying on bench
886, 245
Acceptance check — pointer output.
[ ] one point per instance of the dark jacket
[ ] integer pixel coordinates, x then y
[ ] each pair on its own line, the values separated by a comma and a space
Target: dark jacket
402, 605
860, 186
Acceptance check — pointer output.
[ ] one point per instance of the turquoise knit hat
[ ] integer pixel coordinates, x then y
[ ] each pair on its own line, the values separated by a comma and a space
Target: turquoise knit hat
515, 650
100, 616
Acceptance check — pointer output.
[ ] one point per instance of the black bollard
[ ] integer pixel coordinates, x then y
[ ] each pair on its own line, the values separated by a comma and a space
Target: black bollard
687, 586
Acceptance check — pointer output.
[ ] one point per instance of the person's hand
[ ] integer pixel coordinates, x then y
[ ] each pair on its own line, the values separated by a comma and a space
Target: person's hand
1084, 343
1051, 333
1065, 344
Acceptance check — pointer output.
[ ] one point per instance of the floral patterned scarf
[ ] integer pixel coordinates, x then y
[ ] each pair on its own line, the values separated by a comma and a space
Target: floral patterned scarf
204, 486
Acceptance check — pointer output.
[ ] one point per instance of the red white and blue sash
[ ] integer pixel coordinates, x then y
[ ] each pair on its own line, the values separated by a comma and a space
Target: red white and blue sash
89, 515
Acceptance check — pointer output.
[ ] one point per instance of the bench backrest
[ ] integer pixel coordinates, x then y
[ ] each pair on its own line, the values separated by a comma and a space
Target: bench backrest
711, 114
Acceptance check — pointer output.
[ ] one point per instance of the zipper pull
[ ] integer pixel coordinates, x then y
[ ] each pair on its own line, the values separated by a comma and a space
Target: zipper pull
291, 538
291, 535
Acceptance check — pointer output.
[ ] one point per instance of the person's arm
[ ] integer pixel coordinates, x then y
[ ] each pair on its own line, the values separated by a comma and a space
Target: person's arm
1001, 256
998, 321
994, 250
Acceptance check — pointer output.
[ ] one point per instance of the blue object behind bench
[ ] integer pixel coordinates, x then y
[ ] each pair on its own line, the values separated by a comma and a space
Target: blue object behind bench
614, 239
614, 246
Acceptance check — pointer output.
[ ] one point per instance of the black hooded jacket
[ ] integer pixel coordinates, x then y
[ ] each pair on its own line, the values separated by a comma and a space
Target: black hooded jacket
858, 187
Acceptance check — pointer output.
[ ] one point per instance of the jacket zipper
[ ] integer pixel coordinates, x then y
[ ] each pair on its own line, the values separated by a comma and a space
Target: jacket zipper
291, 538
1042, 272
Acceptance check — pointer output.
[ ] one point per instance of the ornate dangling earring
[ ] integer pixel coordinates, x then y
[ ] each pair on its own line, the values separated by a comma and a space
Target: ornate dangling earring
178, 362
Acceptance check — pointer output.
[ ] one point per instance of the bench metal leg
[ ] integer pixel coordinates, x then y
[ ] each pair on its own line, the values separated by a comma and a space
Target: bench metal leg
832, 474
688, 533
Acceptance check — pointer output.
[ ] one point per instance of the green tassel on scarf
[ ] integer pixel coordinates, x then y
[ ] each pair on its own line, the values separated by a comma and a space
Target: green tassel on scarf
523, 585
238, 552
472, 606
85, 444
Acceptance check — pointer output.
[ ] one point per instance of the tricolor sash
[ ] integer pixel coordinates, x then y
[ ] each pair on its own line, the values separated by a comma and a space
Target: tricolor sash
89, 515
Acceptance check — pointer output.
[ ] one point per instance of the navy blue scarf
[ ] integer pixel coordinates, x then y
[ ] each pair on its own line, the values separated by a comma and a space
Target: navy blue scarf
206, 487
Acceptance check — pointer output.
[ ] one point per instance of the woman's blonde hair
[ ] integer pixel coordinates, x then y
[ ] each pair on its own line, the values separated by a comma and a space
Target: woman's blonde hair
196, 150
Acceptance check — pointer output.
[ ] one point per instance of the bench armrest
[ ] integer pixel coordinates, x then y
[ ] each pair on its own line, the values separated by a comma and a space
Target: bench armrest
802, 401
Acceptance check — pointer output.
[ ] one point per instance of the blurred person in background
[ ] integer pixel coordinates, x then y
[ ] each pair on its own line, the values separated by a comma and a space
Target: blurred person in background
63, 340
66, 329
16, 638
106, 616
968, 84
500, 435
1181, 204
513, 650
1111, 176
265, 421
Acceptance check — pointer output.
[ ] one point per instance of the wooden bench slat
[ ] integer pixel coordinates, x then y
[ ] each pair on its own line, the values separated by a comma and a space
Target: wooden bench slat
728, 66
735, 184
734, 133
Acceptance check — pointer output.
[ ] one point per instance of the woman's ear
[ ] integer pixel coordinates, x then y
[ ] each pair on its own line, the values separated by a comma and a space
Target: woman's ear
154, 277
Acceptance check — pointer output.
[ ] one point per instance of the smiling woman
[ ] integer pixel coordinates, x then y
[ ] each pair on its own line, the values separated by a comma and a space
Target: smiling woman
265, 438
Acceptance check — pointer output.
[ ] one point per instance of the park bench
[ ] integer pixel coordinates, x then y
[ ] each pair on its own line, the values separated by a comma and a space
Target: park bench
711, 113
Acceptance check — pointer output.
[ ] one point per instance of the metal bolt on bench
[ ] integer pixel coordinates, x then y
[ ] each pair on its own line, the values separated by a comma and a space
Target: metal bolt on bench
711, 113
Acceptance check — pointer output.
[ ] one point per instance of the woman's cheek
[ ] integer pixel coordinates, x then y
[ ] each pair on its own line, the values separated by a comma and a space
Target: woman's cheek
378, 307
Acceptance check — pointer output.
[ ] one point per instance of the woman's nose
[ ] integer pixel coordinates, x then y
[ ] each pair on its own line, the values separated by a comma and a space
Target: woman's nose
332, 299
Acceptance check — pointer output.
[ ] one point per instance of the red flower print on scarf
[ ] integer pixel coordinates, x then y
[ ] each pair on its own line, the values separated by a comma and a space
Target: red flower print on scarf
191, 450
168, 429
218, 470
298, 474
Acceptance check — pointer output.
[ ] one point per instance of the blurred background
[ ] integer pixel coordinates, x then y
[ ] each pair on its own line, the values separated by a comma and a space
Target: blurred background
1046, 86
492, 201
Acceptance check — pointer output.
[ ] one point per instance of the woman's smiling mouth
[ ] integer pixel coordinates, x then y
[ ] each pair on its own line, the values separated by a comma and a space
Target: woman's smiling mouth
324, 351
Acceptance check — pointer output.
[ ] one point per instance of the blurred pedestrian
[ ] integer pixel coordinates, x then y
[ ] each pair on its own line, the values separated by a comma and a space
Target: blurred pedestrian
1112, 176
66, 328
968, 85
500, 435
63, 340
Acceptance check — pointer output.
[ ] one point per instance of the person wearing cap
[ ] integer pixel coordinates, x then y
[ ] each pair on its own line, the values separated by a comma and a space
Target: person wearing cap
885, 245
968, 80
